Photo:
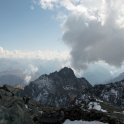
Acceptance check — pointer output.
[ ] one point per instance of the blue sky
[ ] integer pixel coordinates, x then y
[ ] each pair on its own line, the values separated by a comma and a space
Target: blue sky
26, 29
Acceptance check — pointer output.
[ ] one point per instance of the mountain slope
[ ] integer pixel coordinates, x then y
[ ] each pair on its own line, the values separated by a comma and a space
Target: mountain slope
63, 88
111, 92
58, 88
23, 110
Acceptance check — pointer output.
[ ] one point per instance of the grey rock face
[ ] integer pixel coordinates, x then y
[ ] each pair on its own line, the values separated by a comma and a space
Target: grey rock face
112, 93
12, 108
58, 88
63, 88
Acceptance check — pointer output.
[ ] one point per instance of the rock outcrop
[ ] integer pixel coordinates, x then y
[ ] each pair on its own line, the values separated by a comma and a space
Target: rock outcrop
15, 109
58, 88
111, 92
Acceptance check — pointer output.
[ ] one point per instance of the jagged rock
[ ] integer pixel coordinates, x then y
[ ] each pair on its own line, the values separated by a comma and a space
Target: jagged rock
7, 89
53, 117
76, 113
112, 93
14, 114
12, 108
58, 88
19, 110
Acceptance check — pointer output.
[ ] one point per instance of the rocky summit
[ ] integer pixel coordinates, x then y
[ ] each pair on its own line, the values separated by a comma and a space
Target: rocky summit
58, 88
62, 88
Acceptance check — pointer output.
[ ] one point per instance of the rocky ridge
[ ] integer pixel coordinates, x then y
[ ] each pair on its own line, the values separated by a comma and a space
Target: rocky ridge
23, 110
111, 92
63, 88
58, 88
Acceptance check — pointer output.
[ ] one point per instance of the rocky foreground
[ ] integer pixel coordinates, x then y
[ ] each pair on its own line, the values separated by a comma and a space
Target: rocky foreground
15, 109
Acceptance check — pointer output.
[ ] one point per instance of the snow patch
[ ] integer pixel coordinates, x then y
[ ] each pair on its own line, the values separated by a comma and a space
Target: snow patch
96, 106
68, 87
82, 122
98, 100
41, 112
114, 92
26, 106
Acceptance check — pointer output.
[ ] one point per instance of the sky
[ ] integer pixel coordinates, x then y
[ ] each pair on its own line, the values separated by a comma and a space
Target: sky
24, 27
45, 35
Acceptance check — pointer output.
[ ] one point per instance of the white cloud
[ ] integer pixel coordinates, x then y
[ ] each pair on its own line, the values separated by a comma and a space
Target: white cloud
86, 7
48, 4
27, 79
29, 72
31, 69
31, 64
39, 54
93, 29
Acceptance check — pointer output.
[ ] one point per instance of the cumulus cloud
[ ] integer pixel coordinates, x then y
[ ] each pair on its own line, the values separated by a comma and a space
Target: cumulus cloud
92, 42
93, 30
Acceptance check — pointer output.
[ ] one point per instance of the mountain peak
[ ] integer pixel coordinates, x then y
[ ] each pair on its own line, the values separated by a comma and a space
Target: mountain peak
56, 88
66, 72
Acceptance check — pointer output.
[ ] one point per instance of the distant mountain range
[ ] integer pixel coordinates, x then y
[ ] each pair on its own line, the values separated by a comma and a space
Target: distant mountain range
11, 79
118, 78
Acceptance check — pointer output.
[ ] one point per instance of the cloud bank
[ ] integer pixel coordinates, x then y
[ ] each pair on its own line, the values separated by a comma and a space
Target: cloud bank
39, 54
28, 69
29, 65
93, 29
